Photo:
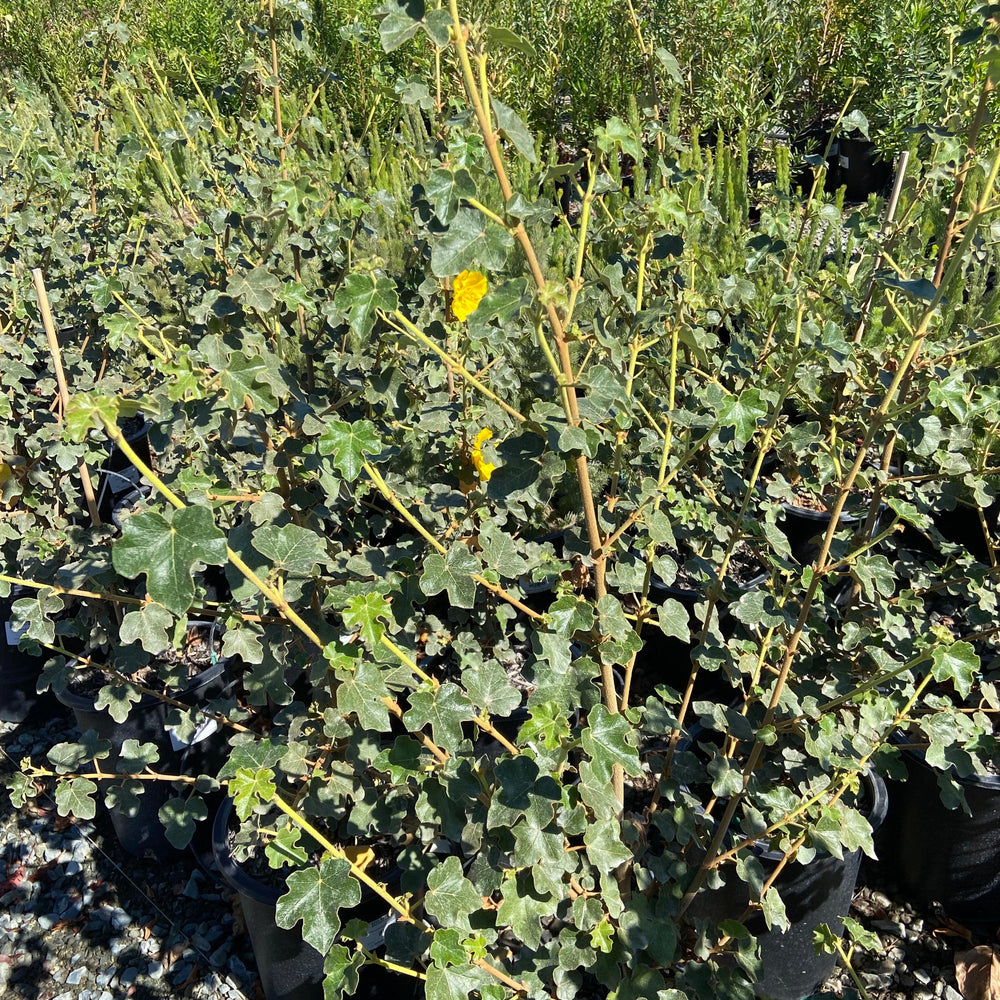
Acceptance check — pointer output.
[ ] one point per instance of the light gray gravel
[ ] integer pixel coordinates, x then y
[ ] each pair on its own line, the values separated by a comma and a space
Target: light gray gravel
82, 920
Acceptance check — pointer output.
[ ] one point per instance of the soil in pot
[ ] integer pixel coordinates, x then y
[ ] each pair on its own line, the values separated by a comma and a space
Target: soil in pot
290, 968
139, 828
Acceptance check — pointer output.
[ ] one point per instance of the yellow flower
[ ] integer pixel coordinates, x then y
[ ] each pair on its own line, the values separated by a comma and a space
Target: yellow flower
483, 468
469, 289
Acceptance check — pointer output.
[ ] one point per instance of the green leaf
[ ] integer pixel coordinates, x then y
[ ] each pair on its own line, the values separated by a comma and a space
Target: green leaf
257, 290
571, 614
604, 739
166, 547
350, 445
444, 709
917, 288
447, 948
452, 573
75, 797
179, 817
490, 689
500, 551
674, 620
315, 896
361, 691
774, 910
290, 548
618, 135
284, 848
243, 381
148, 626
361, 297
743, 413
451, 897
523, 908
341, 971
875, 575
244, 641
401, 21
456, 982
513, 125
253, 755
957, 663
66, 757
446, 189
471, 241
366, 612
134, 757
118, 698
249, 788
510, 40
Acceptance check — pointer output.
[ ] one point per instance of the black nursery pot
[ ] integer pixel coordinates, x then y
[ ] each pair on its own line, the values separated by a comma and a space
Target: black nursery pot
290, 968
19, 671
118, 476
816, 893
142, 833
804, 528
940, 854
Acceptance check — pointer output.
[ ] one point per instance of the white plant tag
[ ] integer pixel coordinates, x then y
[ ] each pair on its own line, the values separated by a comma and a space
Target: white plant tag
14, 634
375, 935
207, 727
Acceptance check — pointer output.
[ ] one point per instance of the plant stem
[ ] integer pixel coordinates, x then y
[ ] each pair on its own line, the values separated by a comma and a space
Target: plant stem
53, 341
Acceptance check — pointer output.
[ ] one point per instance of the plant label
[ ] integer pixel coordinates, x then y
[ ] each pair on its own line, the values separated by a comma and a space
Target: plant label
375, 935
12, 634
203, 731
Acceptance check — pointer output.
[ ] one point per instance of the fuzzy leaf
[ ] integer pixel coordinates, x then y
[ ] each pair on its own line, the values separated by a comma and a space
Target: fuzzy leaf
166, 547
490, 689
401, 21
117, 698
350, 445
444, 710
253, 755
957, 663
471, 241
315, 896
604, 739
456, 982
674, 620
179, 817
341, 970
361, 297
446, 189
290, 548
451, 897
361, 691
75, 797
134, 757
257, 290
513, 125
148, 626
452, 573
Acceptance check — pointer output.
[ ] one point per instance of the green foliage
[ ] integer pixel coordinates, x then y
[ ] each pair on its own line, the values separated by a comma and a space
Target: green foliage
506, 560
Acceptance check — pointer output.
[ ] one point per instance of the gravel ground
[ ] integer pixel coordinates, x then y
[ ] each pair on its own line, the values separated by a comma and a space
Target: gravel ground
81, 920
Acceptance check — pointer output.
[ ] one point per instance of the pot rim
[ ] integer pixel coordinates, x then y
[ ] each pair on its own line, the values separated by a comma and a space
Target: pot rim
244, 883
194, 685
987, 782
